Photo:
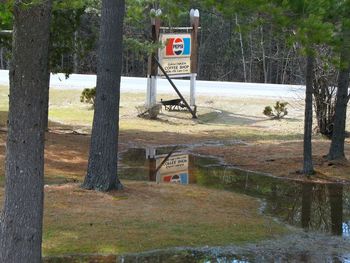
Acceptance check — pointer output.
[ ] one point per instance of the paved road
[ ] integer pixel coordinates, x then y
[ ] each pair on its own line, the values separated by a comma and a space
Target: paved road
211, 88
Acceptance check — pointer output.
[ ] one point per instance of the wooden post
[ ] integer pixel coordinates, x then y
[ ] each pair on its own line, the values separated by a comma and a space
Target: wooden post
193, 112
152, 65
194, 18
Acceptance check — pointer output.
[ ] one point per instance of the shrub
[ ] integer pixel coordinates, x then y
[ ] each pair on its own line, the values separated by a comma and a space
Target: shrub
278, 111
88, 96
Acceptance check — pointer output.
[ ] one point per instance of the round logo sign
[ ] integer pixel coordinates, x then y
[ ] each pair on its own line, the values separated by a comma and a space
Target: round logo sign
178, 46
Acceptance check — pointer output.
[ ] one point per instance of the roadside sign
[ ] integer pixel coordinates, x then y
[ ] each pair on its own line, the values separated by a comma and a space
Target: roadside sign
175, 55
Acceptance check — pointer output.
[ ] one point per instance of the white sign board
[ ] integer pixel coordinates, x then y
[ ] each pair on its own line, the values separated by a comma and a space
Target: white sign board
175, 56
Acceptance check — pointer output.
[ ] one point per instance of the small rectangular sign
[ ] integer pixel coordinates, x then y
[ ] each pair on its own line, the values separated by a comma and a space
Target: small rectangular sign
176, 66
175, 54
175, 45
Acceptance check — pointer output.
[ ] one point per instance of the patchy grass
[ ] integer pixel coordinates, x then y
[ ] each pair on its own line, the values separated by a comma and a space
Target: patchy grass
147, 216
239, 117
219, 117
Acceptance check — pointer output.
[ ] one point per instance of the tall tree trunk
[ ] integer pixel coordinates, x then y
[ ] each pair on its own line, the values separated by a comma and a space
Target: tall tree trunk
242, 49
21, 219
263, 53
2, 58
75, 54
251, 56
308, 165
102, 167
336, 150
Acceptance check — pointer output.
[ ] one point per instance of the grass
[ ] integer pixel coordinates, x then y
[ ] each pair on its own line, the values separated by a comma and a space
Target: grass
147, 216
228, 117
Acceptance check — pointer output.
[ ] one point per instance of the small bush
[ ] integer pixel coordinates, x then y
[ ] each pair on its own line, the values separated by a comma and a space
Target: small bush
278, 111
88, 96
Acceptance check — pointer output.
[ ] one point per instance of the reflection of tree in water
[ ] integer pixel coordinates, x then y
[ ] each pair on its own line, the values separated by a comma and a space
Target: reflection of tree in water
346, 229
134, 157
346, 211
316, 207
336, 204
321, 207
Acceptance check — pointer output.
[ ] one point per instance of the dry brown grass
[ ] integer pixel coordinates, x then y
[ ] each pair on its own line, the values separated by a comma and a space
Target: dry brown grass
147, 216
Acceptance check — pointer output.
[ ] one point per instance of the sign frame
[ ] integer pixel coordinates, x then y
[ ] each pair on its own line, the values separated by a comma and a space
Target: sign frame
175, 64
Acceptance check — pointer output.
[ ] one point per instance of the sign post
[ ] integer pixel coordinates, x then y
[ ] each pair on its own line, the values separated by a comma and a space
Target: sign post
151, 99
177, 57
194, 18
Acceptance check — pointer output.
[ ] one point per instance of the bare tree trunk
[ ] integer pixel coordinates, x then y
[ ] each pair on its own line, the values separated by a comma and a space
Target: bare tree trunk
263, 53
336, 150
251, 56
284, 67
102, 167
242, 49
75, 55
21, 219
2, 58
308, 165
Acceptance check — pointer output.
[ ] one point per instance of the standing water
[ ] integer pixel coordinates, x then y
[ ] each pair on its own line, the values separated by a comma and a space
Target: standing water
315, 207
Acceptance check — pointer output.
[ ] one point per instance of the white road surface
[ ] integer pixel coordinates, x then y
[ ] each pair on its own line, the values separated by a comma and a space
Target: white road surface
211, 88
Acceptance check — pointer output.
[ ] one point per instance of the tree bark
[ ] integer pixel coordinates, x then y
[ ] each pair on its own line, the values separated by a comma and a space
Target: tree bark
102, 166
308, 165
263, 53
21, 218
242, 49
336, 150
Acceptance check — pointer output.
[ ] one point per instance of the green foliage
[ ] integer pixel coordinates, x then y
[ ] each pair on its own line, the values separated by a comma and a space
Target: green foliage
278, 111
6, 21
66, 19
138, 20
65, 38
5, 15
88, 96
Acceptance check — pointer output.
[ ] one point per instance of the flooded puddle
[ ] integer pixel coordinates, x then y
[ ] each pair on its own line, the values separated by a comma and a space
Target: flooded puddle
315, 207
318, 208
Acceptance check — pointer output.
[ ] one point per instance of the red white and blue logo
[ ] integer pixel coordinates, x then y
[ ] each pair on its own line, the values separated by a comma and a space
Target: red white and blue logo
181, 178
178, 46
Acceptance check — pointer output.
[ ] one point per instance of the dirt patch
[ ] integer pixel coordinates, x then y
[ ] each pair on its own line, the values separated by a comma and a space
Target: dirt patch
283, 159
66, 154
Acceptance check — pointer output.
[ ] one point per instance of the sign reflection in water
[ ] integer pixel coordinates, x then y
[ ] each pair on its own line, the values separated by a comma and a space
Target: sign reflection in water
174, 169
315, 207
